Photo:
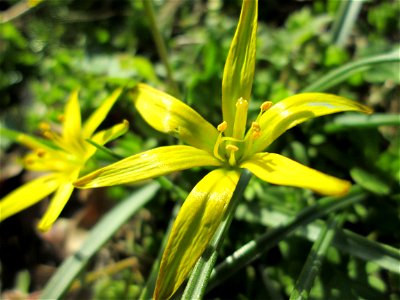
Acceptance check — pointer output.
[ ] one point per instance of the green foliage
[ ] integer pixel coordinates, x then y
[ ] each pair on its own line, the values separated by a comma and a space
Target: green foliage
98, 46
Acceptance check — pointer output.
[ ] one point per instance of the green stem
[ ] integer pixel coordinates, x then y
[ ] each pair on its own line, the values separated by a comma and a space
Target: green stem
161, 48
200, 276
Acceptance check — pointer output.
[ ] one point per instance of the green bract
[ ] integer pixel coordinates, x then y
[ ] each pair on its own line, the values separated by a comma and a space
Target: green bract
227, 147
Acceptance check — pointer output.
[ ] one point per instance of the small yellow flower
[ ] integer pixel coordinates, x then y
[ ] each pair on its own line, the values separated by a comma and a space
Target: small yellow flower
61, 158
227, 147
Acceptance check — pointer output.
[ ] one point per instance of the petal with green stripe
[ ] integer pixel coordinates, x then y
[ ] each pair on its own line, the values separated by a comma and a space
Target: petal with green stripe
195, 225
239, 67
99, 114
28, 194
296, 109
26, 140
104, 136
58, 202
72, 119
170, 115
149, 164
278, 169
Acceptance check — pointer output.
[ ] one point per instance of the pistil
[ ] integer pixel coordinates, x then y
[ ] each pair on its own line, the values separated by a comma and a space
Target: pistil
232, 149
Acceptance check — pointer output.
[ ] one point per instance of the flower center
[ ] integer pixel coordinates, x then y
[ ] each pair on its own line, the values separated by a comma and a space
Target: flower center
233, 149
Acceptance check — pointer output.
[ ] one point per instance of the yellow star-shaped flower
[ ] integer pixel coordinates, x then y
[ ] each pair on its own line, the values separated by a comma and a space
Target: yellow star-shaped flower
61, 158
229, 147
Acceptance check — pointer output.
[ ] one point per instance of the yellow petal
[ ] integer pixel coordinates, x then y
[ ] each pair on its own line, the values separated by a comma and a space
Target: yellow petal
278, 169
44, 161
104, 136
24, 139
58, 202
72, 119
195, 225
299, 108
149, 164
99, 114
167, 114
27, 195
239, 67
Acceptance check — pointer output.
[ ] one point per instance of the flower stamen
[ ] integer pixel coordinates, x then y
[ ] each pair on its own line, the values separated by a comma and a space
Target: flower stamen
221, 128
265, 106
40, 153
232, 149
256, 130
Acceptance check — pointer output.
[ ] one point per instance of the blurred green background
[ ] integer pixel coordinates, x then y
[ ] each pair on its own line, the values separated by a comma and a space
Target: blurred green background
97, 46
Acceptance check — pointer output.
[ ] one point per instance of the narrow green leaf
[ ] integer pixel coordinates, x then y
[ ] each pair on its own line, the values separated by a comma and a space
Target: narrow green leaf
148, 290
384, 256
252, 250
160, 45
345, 20
369, 181
350, 120
314, 260
342, 73
99, 235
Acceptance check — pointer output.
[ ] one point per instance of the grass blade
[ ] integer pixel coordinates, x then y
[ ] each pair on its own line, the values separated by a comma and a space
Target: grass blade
384, 256
60, 282
255, 248
148, 290
342, 73
349, 121
314, 260
345, 20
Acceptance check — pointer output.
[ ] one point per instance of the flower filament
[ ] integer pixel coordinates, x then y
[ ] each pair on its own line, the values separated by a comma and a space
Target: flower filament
236, 146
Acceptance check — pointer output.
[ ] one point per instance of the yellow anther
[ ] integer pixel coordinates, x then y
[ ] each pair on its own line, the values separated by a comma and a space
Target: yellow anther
48, 134
231, 148
40, 152
265, 106
222, 127
60, 118
255, 127
44, 126
256, 130
29, 161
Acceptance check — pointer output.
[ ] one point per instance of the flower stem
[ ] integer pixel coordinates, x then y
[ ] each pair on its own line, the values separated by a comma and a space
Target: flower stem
161, 48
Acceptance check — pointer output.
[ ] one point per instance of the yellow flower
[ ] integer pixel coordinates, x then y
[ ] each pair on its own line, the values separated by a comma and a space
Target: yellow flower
227, 147
61, 158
